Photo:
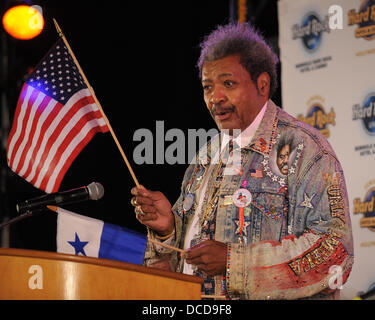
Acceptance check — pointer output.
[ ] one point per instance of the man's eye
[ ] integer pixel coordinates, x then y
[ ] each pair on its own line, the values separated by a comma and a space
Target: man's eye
229, 83
206, 87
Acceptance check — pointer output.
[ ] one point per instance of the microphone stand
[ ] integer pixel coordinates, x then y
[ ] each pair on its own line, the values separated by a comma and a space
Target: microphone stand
21, 217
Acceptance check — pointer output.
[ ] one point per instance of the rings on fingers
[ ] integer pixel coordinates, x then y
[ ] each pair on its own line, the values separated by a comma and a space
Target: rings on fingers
138, 211
133, 201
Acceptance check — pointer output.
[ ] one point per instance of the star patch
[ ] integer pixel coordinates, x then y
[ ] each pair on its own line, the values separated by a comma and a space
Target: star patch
245, 225
307, 201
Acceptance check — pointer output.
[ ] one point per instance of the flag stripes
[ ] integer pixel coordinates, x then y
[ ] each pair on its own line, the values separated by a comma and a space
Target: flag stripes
47, 136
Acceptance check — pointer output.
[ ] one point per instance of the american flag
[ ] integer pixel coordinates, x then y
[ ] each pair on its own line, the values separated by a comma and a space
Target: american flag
55, 118
256, 173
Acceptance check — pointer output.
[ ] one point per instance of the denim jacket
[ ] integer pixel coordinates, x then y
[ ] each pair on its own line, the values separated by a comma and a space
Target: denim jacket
296, 239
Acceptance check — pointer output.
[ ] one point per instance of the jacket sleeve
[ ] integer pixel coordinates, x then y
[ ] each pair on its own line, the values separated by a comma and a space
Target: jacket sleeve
161, 257
317, 255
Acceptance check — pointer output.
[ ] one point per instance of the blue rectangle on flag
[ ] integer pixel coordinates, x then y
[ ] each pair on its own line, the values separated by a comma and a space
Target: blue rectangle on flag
119, 243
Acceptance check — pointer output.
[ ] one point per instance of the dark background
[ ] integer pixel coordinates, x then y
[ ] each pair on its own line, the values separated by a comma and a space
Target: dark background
140, 57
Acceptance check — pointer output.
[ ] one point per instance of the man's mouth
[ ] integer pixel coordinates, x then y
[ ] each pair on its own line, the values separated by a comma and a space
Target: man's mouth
223, 113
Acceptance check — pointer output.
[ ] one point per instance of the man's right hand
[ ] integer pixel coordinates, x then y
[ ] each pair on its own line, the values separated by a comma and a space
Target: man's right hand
156, 208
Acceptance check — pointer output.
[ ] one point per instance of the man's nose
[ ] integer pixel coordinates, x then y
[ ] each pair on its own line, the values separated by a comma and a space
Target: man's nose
217, 96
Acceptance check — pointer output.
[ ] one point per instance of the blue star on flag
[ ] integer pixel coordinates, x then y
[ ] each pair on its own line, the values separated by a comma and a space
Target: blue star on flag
78, 245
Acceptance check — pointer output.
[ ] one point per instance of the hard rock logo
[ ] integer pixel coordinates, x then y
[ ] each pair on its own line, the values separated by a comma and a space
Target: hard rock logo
310, 30
365, 19
367, 208
319, 119
366, 113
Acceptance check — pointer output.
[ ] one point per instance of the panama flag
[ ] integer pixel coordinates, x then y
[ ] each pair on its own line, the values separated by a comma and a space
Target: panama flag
82, 235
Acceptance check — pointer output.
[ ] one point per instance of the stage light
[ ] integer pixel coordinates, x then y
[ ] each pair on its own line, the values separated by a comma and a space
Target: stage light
23, 22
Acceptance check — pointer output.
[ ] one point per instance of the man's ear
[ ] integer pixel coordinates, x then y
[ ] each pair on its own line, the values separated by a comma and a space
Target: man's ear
263, 84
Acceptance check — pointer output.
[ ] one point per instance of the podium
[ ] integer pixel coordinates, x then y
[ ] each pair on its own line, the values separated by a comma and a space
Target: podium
41, 275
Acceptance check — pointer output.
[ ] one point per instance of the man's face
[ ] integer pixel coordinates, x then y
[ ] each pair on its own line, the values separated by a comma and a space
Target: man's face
229, 93
282, 159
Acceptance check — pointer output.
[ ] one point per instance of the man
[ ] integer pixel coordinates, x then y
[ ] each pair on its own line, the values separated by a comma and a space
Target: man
290, 235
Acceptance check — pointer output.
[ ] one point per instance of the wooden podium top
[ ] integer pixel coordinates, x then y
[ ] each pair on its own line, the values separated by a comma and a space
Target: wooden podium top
29, 274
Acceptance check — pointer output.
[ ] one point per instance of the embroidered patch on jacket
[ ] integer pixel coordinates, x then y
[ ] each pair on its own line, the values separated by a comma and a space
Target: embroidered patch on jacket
336, 202
256, 173
283, 160
259, 146
326, 249
238, 226
272, 211
307, 201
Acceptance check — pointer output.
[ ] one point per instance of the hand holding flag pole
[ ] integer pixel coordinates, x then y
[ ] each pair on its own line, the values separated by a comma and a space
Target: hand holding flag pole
97, 102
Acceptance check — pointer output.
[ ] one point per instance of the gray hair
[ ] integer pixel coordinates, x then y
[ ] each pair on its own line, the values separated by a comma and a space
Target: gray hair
256, 56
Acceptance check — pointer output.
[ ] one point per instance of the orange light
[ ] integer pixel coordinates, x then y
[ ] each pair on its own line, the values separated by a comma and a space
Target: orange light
23, 22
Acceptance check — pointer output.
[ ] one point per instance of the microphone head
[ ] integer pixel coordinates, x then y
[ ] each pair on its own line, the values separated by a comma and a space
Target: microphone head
96, 191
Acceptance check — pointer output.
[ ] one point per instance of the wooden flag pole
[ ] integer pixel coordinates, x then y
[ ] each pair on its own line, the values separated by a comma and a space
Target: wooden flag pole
97, 103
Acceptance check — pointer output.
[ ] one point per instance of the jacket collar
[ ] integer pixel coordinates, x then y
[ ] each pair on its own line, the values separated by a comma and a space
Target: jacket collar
265, 135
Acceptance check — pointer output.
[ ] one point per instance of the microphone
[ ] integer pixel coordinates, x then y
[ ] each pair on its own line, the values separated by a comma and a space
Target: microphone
94, 191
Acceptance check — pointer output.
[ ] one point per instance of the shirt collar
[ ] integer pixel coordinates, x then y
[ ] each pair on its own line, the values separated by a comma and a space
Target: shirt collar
245, 137
261, 141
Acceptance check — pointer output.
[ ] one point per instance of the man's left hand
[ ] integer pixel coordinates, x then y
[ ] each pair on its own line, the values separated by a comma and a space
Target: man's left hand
209, 256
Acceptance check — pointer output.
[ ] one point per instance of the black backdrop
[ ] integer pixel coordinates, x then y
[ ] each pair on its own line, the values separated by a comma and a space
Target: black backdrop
140, 58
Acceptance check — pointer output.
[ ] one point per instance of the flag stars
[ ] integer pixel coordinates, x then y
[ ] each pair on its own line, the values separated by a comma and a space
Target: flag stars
58, 75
